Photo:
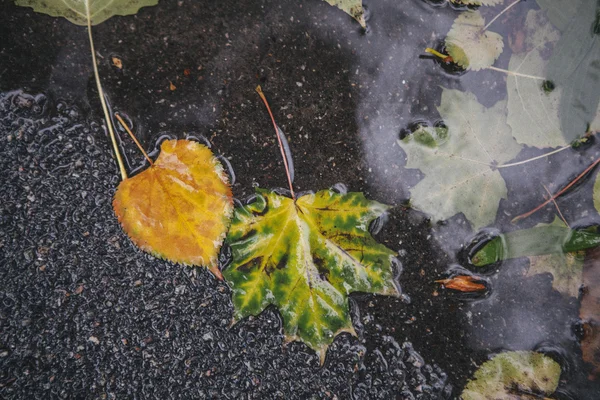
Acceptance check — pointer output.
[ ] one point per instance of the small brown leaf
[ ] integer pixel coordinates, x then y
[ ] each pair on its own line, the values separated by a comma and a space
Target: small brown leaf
116, 61
463, 283
171, 86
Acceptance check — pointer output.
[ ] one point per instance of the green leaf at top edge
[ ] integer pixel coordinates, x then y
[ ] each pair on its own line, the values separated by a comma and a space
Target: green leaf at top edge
354, 8
76, 10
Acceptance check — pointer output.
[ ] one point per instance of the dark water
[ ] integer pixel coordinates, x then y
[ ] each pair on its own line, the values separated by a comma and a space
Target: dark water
85, 314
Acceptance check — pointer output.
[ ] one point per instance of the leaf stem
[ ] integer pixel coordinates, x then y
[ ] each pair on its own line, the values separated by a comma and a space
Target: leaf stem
516, 73
534, 158
285, 162
501, 12
436, 53
102, 99
134, 138
574, 181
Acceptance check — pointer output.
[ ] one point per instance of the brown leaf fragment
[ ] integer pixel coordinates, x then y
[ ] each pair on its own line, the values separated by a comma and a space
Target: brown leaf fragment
463, 283
171, 86
116, 61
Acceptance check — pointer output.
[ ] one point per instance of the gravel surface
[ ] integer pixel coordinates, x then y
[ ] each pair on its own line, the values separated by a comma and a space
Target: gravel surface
85, 314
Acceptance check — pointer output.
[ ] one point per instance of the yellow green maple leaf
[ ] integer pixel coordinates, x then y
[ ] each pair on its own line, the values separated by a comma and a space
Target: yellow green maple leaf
305, 257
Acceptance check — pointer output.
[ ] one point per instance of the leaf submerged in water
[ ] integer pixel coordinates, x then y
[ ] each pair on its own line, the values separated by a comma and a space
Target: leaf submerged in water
469, 45
459, 163
514, 375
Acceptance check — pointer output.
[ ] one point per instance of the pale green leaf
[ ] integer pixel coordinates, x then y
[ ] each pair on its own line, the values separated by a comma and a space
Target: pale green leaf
533, 111
469, 45
560, 12
514, 375
306, 257
595, 125
459, 168
566, 268
574, 68
76, 10
569, 63
353, 8
551, 248
596, 193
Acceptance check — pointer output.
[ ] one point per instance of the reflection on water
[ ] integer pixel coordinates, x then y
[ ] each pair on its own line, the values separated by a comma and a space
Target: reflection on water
399, 93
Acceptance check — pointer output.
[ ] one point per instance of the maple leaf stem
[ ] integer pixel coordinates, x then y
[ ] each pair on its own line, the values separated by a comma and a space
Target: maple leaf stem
501, 12
285, 162
102, 99
505, 71
124, 125
534, 158
574, 181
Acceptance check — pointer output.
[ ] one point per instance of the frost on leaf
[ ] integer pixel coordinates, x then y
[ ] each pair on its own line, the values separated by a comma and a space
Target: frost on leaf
76, 10
354, 8
306, 257
514, 375
460, 166
469, 45
179, 208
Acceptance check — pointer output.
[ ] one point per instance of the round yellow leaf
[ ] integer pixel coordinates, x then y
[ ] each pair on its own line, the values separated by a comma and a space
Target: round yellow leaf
179, 208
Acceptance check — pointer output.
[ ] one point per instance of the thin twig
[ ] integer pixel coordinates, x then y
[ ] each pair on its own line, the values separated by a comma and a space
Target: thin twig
574, 181
102, 100
134, 138
287, 169
516, 73
557, 207
501, 12
534, 158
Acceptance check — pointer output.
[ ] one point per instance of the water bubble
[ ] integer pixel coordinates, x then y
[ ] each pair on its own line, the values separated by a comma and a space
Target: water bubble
340, 188
198, 138
225, 162
377, 224
494, 255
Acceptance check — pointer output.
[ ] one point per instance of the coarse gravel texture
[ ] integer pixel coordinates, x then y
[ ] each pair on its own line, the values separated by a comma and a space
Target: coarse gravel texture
86, 315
